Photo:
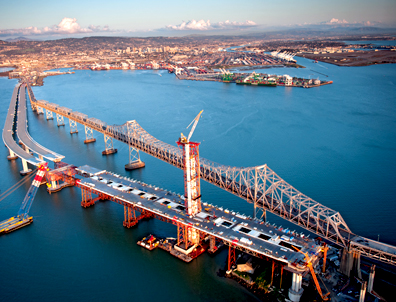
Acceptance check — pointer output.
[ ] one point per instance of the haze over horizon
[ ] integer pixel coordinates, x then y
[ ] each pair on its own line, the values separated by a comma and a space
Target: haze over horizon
53, 20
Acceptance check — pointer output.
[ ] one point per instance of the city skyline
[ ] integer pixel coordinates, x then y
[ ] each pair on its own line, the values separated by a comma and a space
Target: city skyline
54, 20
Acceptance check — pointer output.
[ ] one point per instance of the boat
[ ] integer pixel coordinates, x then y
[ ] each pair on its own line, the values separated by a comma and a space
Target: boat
149, 242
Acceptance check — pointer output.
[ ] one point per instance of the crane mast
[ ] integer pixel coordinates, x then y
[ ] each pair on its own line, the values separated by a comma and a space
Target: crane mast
192, 187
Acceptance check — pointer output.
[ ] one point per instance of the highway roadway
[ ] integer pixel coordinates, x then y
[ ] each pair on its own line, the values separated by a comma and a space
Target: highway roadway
24, 136
8, 139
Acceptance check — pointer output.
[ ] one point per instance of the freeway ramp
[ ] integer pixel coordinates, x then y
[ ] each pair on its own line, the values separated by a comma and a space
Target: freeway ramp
13, 147
24, 136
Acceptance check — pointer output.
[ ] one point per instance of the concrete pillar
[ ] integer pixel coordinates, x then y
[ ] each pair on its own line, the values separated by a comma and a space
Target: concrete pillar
26, 169
12, 155
371, 279
53, 184
40, 157
363, 291
295, 292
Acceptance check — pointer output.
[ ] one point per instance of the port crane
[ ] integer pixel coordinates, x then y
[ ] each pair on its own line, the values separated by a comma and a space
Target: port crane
309, 264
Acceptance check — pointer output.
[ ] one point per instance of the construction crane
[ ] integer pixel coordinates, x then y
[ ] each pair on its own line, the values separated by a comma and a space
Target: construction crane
28, 200
195, 121
192, 187
309, 264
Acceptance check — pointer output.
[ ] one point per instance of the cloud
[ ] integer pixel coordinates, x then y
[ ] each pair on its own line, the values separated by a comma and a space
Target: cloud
65, 27
336, 21
202, 25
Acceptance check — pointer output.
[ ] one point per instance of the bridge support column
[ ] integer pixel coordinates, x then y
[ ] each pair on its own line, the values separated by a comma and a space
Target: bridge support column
350, 263
87, 200
12, 155
59, 120
134, 159
26, 169
48, 114
371, 279
109, 149
40, 110
129, 217
89, 135
231, 258
73, 126
363, 291
212, 244
53, 184
295, 292
134, 156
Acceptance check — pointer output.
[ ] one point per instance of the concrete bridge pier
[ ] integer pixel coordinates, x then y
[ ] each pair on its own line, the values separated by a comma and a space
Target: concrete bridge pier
48, 114
109, 149
40, 110
363, 291
26, 169
59, 120
73, 126
295, 292
371, 279
89, 138
134, 159
12, 155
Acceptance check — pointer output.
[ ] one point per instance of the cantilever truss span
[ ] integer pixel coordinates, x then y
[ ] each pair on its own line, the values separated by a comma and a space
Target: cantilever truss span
258, 185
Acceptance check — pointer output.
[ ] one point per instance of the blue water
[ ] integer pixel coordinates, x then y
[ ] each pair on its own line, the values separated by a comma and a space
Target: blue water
335, 143
375, 42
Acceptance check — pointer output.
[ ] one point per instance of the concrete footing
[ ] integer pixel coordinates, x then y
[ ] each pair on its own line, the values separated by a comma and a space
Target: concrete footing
90, 140
75, 131
135, 165
295, 292
109, 151
295, 296
9, 157
25, 172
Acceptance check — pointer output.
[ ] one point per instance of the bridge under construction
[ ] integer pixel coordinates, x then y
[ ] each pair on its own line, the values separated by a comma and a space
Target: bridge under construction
258, 185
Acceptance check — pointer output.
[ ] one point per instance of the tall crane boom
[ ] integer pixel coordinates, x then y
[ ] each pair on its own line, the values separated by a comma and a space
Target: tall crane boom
195, 121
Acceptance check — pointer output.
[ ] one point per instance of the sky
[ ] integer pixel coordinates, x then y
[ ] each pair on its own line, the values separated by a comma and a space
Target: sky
42, 18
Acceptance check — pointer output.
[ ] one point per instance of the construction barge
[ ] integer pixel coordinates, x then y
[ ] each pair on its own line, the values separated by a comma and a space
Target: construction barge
14, 223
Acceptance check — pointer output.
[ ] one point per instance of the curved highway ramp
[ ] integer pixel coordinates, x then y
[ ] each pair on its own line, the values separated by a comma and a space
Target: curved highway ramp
24, 136
14, 149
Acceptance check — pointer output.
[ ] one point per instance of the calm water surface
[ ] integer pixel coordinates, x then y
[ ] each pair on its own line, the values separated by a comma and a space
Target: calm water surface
335, 143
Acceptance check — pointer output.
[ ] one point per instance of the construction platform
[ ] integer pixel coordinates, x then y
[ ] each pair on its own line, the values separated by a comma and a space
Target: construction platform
14, 223
250, 235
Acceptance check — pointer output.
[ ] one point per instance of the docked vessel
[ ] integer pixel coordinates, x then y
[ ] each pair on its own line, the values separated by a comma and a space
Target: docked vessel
14, 223
149, 242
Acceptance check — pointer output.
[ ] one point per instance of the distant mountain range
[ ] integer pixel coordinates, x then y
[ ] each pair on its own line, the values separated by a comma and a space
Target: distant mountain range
19, 39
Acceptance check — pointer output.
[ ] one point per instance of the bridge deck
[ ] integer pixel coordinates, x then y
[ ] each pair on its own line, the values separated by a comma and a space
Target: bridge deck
251, 235
8, 133
24, 136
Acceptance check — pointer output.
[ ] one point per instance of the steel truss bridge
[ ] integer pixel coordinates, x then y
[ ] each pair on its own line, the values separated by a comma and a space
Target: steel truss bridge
258, 185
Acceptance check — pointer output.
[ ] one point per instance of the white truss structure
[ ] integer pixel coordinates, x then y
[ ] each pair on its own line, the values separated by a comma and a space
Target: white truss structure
73, 126
88, 133
108, 142
48, 114
59, 120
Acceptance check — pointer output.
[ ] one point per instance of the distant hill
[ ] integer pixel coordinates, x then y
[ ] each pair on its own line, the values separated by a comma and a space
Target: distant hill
19, 39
